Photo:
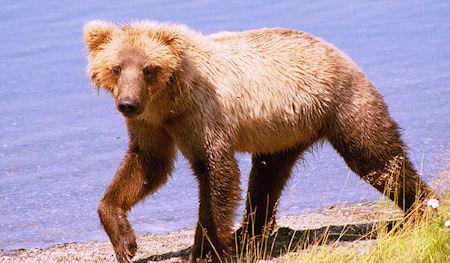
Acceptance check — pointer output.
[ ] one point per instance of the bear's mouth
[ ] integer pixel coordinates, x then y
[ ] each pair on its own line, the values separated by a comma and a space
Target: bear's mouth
131, 115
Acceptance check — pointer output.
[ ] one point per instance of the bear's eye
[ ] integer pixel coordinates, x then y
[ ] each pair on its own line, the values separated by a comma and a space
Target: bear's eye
148, 71
116, 71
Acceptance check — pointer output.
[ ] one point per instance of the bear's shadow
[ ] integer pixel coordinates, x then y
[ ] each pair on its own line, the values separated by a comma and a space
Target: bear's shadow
286, 239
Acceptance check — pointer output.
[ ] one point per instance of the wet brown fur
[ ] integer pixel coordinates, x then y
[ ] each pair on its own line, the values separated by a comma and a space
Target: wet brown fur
271, 92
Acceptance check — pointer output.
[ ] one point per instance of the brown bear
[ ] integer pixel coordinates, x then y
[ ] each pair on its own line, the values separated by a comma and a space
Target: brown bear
270, 92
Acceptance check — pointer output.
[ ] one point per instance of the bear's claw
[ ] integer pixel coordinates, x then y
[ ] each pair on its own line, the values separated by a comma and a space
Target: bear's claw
126, 251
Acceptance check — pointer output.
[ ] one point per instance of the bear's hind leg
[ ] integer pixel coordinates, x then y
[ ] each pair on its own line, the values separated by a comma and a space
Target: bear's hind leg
369, 141
268, 176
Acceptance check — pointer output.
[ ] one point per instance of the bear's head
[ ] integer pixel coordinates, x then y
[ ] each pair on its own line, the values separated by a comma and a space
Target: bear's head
134, 62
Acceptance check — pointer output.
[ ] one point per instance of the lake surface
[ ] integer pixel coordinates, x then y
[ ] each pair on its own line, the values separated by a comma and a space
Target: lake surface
60, 141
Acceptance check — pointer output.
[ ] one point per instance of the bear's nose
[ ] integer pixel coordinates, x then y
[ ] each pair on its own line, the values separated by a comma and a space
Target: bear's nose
127, 105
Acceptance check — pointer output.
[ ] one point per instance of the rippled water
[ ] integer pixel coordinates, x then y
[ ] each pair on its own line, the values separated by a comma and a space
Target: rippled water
60, 142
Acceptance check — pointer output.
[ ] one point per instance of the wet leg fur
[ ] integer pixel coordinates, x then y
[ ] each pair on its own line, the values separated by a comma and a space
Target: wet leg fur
218, 179
141, 173
368, 139
268, 176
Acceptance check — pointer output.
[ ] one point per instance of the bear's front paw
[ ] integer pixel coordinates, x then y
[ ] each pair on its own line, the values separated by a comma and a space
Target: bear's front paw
126, 248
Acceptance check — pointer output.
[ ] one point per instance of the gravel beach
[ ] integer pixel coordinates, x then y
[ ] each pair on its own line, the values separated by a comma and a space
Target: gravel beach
174, 247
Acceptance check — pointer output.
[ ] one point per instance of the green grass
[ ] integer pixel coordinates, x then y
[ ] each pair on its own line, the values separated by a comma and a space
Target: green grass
421, 238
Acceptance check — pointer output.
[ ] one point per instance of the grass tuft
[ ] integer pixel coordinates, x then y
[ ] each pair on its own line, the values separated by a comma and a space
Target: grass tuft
422, 237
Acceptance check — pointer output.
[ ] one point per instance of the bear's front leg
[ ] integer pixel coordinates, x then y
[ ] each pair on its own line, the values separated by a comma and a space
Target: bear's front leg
218, 178
145, 167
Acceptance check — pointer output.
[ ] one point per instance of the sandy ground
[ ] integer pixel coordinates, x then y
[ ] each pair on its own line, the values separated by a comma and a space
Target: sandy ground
174, 247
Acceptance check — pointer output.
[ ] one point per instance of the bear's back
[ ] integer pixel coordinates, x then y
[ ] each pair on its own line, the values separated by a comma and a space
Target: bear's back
277, 86
274, 85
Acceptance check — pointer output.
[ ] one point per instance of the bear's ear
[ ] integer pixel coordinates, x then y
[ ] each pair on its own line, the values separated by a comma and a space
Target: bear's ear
175, 40
96, 33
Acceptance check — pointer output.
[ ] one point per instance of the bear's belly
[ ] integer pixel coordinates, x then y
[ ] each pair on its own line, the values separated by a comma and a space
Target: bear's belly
268, 139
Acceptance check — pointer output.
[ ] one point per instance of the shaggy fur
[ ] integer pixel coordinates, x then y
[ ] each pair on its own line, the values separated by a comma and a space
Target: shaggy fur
270, 92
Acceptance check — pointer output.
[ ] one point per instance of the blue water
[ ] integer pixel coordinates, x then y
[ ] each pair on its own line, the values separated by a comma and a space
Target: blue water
60, 141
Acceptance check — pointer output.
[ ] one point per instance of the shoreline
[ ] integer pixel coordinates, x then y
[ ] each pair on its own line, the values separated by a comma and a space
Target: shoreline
174, 246
343, 222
